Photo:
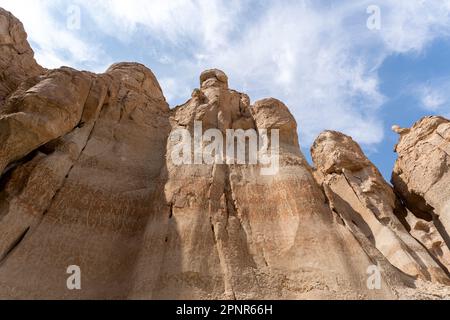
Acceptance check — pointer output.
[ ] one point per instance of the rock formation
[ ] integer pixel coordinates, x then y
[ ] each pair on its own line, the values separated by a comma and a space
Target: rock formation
359, 194
421, 179
17, 62
88, 179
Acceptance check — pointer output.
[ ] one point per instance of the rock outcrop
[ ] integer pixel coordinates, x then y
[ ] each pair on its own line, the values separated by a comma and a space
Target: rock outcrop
246, 236
88, 179
421, 178
17, 62
359, 194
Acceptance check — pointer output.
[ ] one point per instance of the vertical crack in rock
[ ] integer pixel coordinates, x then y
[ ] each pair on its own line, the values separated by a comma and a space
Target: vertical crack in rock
242, 218
13, 246
58, 163
442, 231
391, 275
219, 217
90, 127
230, 236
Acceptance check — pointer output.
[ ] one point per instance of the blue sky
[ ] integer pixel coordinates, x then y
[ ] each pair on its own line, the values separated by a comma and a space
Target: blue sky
319, 57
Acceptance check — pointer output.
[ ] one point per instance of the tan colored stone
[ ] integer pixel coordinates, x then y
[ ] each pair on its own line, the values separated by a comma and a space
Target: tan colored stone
87, 179
49, 109
242, 235
358, 192
421, 178
427, 234
421, 174
90, 185
16, 56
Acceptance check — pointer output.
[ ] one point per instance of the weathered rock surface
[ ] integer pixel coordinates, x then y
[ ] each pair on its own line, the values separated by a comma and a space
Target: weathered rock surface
247, 236
87, 178
421, 178
16, 56
359, 194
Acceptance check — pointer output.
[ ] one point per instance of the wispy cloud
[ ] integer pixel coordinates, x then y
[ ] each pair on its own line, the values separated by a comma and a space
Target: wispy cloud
183, 23
412, 24
434, 96
55, 43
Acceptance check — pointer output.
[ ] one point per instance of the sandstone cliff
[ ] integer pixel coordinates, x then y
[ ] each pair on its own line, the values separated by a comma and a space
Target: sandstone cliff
87, 179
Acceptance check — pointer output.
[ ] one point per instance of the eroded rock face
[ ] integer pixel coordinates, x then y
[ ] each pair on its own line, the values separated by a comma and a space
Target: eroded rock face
89, 181
421, 178
16, 56
421, 174
359, 194
229, 235
87, 178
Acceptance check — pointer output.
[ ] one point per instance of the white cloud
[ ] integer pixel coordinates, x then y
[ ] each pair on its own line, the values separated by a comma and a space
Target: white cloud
432, 99
181, 22
412, 24
57, 45
434, 96
305, 58
174, 90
